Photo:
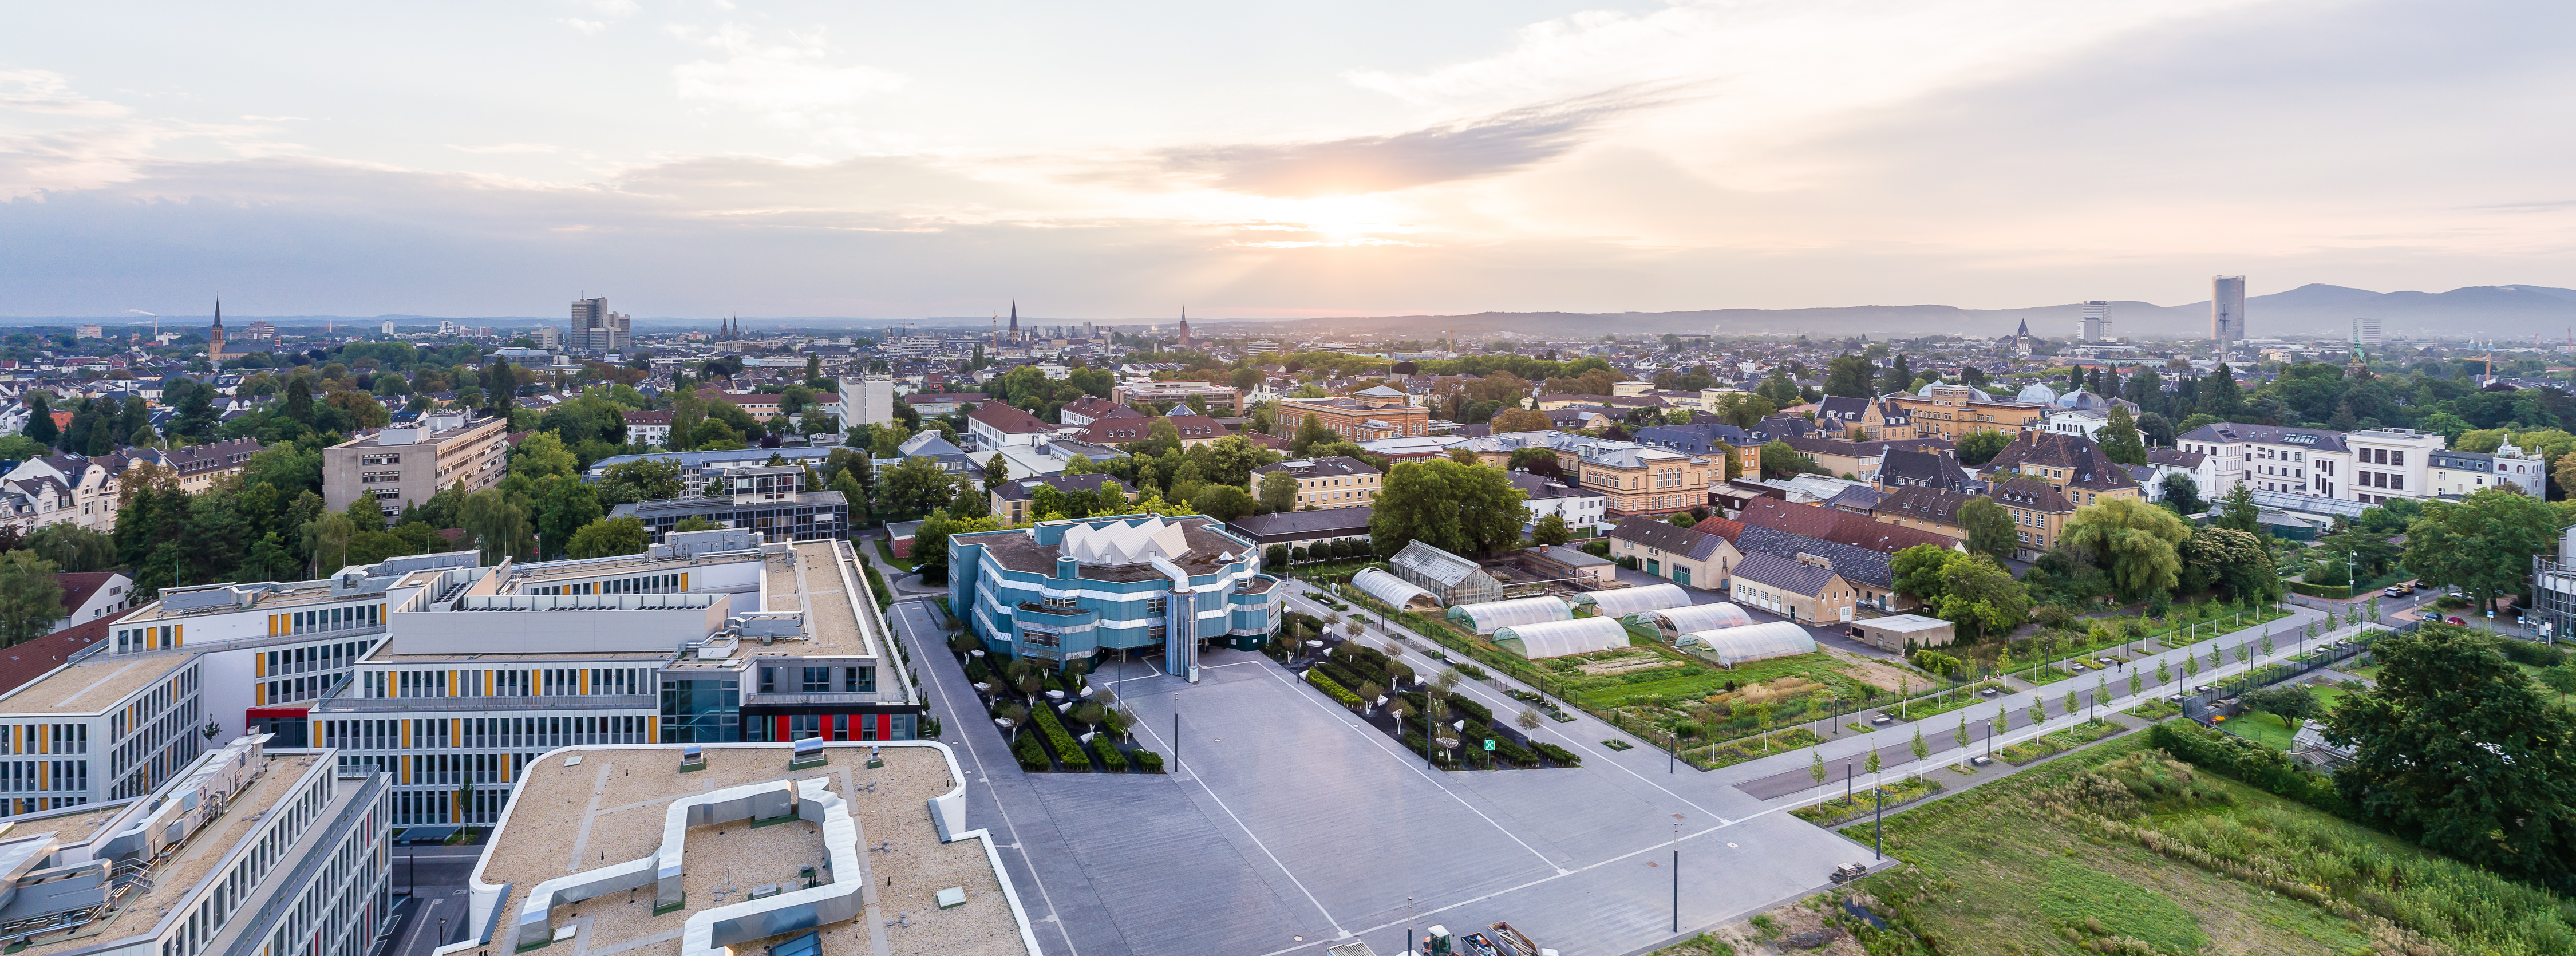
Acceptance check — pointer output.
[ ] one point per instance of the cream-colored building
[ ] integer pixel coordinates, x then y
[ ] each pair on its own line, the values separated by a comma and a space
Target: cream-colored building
1336, 481
399, 466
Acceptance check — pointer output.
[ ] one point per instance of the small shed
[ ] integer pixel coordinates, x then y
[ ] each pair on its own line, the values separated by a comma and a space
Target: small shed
1673, 622
1733, 646
1892, 633
1565, 563
1560, 638
1491, 616
1452, 579
1625, 602
1393, 591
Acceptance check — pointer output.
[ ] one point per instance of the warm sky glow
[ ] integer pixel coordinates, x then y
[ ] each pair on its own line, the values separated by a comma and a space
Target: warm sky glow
898, 161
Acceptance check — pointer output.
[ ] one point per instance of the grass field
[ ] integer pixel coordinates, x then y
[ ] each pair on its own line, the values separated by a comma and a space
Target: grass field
2261, 728
2118, 849
886, 553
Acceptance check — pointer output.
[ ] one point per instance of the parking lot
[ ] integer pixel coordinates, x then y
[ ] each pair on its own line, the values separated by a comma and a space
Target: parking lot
1285, 817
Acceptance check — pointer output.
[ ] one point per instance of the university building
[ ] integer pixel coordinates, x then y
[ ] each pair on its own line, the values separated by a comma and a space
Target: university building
1371, 414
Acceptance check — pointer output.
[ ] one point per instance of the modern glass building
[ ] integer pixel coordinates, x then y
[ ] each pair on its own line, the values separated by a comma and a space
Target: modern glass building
1075, 590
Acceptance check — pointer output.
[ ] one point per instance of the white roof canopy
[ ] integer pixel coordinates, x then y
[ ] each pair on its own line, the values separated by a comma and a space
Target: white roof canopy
1487, 617
1697, 617
1396, 592
1560, 638
1123, 542
1752, 642
1622, 602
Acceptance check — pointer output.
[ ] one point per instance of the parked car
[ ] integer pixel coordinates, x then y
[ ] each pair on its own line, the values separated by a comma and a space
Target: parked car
2455, 619
2397, 590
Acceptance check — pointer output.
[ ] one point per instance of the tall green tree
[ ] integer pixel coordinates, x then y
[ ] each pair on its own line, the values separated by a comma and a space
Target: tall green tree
1551, 530
30, 600
2455, 748
2230, 560
565, 506
1457, 508
1279, 490
1979, 594
2119, 439
2220, 397
1980, 447
609, 537
1989, 527
2238, 510
497, 527
1849, 376
2182, 494
2481, 544
40, 420
2135, 543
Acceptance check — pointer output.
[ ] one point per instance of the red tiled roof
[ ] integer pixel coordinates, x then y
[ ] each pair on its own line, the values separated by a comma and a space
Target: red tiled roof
1008, 419
33, 659
1727, 528
78, 586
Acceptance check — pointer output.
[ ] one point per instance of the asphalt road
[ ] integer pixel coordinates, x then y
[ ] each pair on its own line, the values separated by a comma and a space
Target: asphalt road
437, 876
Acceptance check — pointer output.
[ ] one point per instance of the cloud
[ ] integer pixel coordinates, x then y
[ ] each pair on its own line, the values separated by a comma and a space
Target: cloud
793, 84
45, 91
1367, 164
588, 28
507, 148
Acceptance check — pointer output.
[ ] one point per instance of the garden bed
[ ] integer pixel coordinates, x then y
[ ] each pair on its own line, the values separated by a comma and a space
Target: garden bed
2049, 745
1356, 677
1842, 809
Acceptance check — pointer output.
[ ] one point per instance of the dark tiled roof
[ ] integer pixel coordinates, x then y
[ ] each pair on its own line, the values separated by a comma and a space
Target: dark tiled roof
2222, 433
30, 660
1329, 466
1856, 564
2034, 494
1906, 468
1781, 515
1303, 525
1925, 504
2174, 458
1666, 536
1786, 574
79, 585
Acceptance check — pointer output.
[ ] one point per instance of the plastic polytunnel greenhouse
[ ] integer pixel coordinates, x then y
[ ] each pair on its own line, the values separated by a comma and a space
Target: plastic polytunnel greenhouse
1622, 602
1674, 622
1560, 638
1733, 646
1395, 592
1487, 617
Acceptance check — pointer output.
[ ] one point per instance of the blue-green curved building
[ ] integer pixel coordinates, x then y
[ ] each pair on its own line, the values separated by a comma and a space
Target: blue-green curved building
1086, 588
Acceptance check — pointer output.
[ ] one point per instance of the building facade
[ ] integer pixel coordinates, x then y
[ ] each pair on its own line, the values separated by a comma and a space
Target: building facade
398, 466
1953, 411
1086, 589
595, 329
2454, 474
770, 500
2365, 466
867, 400
1333, 481
1216, 399
1681, 555
1371, 414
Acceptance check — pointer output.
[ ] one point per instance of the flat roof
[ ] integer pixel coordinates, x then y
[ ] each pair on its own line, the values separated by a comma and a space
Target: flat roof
813, 586
175, 879
552, 571
609, 809
1903, 623
95, 684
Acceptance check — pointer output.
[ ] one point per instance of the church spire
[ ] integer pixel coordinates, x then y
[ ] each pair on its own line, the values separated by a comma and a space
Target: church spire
1015, 320
219, 311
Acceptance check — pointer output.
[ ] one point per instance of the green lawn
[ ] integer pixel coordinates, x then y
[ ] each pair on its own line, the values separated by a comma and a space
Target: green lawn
886, 553
2097, 849
2261, 728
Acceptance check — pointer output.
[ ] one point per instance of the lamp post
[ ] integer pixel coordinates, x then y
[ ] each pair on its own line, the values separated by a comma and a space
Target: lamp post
1677, 873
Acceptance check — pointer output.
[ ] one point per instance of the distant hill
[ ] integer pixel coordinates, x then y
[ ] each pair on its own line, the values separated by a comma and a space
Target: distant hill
2313, 309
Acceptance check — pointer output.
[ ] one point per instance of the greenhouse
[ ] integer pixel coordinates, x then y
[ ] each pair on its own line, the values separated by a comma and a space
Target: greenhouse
1622, 602
1674, 622
1560, 638
1486, 618
1733, 646
1393, 591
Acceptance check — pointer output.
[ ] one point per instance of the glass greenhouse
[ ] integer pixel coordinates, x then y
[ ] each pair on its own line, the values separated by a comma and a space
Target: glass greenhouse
1486, 618
1732, 646
1677, 621
1560, 638
1623, 602
1398, 593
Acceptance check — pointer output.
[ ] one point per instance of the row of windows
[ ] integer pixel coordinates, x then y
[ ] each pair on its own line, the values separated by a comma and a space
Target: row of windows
321, 657
818, 680
546, 682
132, 639
19, 776
645, 584
44, 738
321, 619
483, 733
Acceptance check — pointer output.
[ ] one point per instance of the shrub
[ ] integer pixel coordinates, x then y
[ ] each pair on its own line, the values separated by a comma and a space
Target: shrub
2336, 592
1472, 671
1558, 755
927, 728
2258, 766
1275, 555
1032, 757
1471, 710
1111, 761
977, 671
1331, 689
1067, 750
1148, 761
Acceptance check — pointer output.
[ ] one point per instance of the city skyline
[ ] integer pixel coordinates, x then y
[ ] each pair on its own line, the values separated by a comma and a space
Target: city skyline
808, 160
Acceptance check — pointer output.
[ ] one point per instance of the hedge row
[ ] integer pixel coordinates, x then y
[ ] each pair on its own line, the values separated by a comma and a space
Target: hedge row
2258, 766
2334, 591
1335, 691
1031, 756
1561, 756
1111, 761
1067, 750
1152, 762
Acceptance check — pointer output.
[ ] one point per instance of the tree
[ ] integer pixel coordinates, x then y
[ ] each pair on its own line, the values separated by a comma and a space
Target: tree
1551, 530
1456, 508
2481, 544
2182, 494
1279, 490
1978, 593
498, 527
1224, 502
2135, 542
299, 399
327, 539
645, 479
1980, 447
1521, 420
2456, 749
1779, 460
2238, 510
40, 420
1849, 376
30, 600
1310, 433
914, 488
2290, 702
565, 506
72, 547
609, 537
2232, 560
2119, 439
1989, 527
542, 454
1917, 570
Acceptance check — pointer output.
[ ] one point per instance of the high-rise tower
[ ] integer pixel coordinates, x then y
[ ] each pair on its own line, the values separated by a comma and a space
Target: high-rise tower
2227, 309
2097, 321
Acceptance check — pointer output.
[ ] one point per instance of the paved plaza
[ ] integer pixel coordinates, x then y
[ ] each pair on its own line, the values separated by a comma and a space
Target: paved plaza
1288, 825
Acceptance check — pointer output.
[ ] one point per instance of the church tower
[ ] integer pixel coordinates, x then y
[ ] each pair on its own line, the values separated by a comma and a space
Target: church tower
1015, 320
215, 335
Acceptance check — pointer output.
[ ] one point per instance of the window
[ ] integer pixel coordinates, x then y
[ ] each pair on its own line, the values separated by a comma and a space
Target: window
858, 679
817, 680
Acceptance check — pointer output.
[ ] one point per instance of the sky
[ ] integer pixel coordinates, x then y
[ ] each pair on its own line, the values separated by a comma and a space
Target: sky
1127, 161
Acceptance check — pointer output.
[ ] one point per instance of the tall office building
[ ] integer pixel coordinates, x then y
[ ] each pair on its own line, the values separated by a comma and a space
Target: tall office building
595, 329
2227, 309
2365, 333
2097, 321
